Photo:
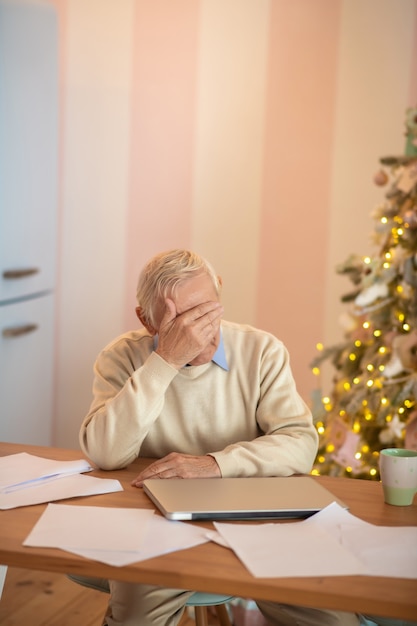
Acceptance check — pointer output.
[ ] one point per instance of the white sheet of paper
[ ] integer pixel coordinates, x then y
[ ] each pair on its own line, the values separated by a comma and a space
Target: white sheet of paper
163, 536
20, 470
287, 550
142, 534
63, 487
384, 550
332, 542
333, 517
94, 527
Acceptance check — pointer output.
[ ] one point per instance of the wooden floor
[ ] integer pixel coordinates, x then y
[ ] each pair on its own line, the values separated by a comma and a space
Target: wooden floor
32, 598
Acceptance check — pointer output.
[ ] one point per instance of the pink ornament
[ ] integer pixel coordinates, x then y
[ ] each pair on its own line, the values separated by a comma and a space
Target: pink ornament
337, 432
381, 178
345, 456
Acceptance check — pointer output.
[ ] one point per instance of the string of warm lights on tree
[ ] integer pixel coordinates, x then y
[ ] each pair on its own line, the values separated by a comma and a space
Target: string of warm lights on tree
373, 404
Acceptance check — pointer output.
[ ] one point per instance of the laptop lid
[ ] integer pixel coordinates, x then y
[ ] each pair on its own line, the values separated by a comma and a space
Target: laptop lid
238, 498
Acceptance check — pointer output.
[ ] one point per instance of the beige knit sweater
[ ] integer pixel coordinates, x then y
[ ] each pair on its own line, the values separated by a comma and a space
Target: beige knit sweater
250, 418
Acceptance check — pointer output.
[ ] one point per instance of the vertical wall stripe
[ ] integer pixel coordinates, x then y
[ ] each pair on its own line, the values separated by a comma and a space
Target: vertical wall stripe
373, 90
300, 103
162, 133
228, 162
61, 9
412, 101
95, 195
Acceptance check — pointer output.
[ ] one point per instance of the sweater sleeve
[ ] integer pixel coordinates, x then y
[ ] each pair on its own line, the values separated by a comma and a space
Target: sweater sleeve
288, 443
126, 403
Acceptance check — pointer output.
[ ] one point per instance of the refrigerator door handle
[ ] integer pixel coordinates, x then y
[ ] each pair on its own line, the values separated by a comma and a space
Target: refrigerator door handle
17, 331
20, 273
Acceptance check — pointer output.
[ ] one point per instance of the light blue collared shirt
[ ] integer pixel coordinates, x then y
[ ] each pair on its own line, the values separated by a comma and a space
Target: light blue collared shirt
219, 357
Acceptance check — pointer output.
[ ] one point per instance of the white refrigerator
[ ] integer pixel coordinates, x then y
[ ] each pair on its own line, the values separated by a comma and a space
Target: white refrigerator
28, 218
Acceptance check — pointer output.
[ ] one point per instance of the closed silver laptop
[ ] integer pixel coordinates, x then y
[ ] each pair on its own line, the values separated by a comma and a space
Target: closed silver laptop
238, 498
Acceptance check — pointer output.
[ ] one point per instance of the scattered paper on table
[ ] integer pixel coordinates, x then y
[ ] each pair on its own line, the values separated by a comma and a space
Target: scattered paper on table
384, 550
91, 526
163, 536
116, 536
332, 542
18, 471
60, 488
278, 550
26, 479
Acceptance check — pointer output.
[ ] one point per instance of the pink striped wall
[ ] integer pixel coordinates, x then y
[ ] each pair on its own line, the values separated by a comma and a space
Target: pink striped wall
223, 125
412, 100
60, 6
298, 148
162, 133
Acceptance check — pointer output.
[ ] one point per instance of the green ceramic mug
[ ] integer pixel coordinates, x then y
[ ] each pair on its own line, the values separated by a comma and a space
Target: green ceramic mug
398, 469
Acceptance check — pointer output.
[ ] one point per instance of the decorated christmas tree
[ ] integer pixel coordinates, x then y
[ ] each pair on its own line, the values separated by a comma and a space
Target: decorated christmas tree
373, 402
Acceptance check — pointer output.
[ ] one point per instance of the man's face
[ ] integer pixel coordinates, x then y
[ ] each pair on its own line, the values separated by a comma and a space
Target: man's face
191, 293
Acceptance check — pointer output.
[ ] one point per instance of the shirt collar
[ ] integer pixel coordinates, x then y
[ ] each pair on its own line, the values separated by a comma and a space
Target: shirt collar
219, 357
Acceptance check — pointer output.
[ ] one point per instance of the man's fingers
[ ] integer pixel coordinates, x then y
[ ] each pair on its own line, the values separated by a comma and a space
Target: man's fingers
210, 309
177, 465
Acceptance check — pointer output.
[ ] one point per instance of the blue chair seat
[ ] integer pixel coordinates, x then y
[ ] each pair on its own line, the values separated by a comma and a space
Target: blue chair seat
200, 598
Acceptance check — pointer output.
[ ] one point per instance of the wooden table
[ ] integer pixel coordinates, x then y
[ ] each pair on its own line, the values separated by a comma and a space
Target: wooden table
210, 567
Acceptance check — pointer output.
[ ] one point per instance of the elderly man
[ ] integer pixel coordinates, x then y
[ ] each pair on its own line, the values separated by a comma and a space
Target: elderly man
206, 398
